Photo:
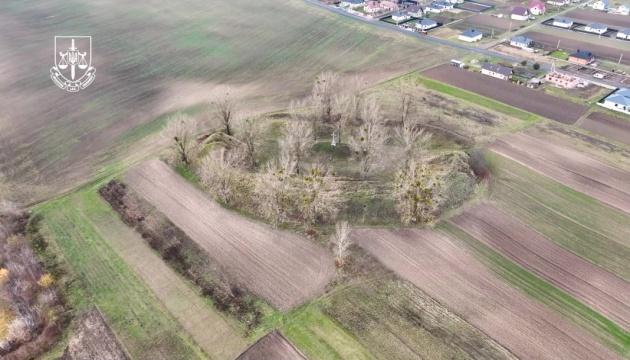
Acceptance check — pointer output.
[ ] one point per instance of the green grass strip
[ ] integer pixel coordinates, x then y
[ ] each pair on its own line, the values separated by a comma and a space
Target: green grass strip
603, 328
477, 99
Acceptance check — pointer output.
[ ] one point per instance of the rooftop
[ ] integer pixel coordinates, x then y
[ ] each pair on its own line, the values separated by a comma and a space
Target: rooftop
471, 33
583, 54
500, 69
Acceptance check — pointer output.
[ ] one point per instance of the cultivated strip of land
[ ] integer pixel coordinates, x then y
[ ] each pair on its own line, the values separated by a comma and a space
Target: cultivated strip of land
612, 127
569, 167
536, 102
603, 291
454, 277
574, 221
550, 42
279, 266
213, 333
141, 322
272, 346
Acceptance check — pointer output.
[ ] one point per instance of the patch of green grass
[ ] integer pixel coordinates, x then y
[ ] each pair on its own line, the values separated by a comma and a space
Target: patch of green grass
604, 329
314, 333
571, 219
559, 54
103, 279
477, 99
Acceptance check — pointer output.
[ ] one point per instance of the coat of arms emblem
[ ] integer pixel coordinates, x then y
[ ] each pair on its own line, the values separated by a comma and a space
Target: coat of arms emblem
73, 69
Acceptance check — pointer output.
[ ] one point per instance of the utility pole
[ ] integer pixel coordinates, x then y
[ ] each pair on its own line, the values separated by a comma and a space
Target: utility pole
620, 57
558, 46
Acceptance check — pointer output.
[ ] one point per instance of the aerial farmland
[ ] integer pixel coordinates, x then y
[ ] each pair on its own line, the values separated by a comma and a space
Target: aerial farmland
314, 179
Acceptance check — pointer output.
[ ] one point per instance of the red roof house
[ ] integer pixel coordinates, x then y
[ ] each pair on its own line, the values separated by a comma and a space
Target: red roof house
537, 7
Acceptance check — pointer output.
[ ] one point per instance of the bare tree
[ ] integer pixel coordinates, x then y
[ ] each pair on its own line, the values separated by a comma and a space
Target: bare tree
341, 242
412, 138
272, 192
249, 132
406, 102
296, 142
181, 131
318, 195
369, 140
324, 90
219, 174
223, 109
417, 190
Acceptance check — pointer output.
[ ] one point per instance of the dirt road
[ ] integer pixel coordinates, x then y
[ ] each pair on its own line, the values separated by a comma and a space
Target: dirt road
451, 275
570, 167
605, 292
278, 266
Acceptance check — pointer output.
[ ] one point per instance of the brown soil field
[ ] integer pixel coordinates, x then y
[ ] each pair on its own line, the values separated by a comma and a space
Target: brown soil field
279, 266
492, 21
550, 42
272, 346
521, 97
454, 277
92, 339
51, 140
603, 291
570, 167
608, 126
621, 21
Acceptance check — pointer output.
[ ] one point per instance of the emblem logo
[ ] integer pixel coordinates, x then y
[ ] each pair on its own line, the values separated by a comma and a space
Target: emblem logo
73, 69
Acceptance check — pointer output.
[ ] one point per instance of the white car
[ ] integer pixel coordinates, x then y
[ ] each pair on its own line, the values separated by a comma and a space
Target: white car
599, 75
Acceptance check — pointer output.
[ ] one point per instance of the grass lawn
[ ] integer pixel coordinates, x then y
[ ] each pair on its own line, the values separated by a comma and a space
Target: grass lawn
559, 54
315, 333
477, 99
141, 322
604, 329
571, 219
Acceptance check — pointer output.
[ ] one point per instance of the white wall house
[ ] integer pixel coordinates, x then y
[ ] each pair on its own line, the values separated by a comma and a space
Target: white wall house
621, 10
563, 23
559, 2
600, 5
470, 35
400, 17
521, 42
519, 13
623, 34
426, 24
496, 71
352, 4
596, 28
618, 101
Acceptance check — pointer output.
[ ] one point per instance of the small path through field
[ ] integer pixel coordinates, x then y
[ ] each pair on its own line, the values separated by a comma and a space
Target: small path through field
596, 287
279, 266
568, 166
453, 276
213, 333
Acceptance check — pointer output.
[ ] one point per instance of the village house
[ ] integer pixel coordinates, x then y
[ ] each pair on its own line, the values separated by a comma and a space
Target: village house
521, 42
582, 57
621, 10
618, 101
537, 7
520, 13
561, 80
496, 71
559, 2
623, 34
438, 6
600, 5
415, 11
352, 4
374, 7
596, 28
562, 22
470, 35
426, 24
400, 16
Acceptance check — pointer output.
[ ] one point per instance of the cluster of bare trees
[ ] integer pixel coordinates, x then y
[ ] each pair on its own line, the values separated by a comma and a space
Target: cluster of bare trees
28, 295
417, 190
